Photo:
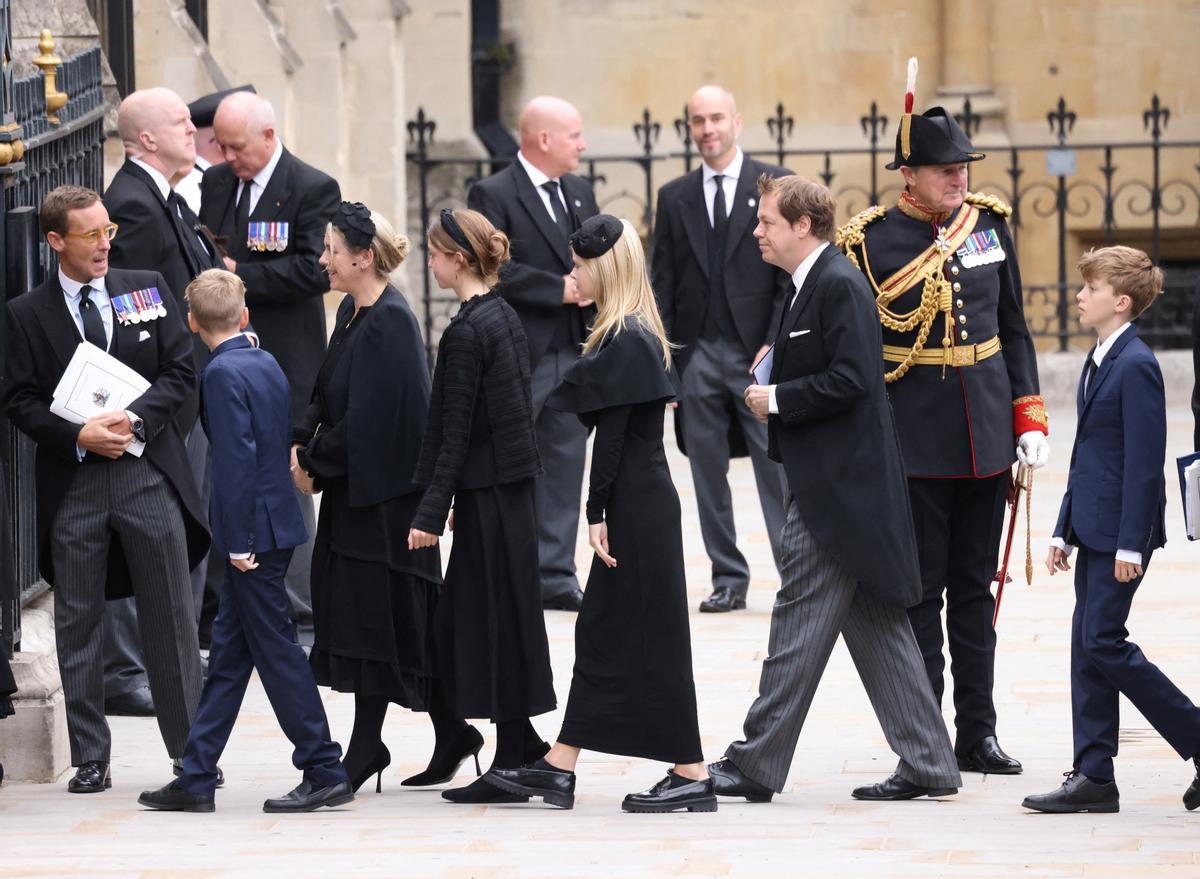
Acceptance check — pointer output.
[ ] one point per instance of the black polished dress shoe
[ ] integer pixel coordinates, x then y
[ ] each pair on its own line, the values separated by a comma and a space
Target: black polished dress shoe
445, 763
672, 794
90, 778
556, 787
379, 761
305, 798
177, 771
1077, 794
136, 703
896, 788
571, 601
988, 757
481, 793
724, 600
1191, 797
173, 798
728, 781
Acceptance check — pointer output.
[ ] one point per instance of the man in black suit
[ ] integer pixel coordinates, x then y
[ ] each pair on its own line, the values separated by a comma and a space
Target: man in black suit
208, 151
538, 203
107, 518
848, 550
721, 302
274, 208
159, 232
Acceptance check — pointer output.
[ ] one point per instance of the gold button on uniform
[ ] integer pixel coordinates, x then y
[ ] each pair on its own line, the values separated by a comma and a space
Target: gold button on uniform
963, 335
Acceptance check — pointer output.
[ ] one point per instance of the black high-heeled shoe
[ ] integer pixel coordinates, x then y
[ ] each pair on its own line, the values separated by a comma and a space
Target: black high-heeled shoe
445, 765
379, 762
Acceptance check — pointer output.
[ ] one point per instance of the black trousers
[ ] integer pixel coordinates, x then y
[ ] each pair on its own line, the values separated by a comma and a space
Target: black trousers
958, 525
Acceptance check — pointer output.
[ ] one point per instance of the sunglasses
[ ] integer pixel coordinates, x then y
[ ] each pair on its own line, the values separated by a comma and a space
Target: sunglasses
93, 237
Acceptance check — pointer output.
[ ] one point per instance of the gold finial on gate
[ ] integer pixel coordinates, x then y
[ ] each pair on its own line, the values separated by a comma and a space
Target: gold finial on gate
49, 64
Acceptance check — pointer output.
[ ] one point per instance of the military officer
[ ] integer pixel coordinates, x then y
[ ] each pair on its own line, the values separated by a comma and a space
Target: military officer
962, 379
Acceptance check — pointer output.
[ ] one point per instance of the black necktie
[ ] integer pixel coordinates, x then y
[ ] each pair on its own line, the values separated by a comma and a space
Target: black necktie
93, 324
196, 257
1089, 374
556, 204
241, 215
720, 209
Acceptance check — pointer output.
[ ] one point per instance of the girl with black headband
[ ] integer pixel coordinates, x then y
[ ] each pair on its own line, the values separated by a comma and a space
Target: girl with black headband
480, 454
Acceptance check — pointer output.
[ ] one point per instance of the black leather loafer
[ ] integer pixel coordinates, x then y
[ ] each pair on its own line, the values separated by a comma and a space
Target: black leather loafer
556, 787
173, 798
1191, 797
988, 757
481, 793
571, 601
728, 781
1077, 794
723, 601
305, 798
177, 771
90, 778
670, 796
896, 788
136, 703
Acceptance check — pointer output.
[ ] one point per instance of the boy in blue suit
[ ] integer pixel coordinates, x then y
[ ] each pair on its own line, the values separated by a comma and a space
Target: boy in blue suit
255, 517
1113, 511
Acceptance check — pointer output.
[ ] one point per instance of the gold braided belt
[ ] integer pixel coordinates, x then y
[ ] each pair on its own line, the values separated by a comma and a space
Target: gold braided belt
959, 355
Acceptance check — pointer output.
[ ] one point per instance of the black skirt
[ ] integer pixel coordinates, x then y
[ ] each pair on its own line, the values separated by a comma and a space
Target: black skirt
493, 656
374, 601
632, 691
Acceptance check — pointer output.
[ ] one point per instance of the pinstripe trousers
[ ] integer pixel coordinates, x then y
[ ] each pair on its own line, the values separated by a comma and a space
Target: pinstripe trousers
817, 601
128, 498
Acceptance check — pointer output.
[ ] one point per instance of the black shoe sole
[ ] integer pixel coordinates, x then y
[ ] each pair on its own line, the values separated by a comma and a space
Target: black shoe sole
550, 798
190, 807
89, 789
933, 793
707, 608
969, 766
324, 804
697, 804
1067, 809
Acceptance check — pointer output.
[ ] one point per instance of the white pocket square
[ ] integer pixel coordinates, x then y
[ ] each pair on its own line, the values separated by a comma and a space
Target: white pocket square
795, 333
143, 335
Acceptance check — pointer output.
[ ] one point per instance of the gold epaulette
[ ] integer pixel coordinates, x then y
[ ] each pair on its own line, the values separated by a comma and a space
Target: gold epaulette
996, 205
853, 233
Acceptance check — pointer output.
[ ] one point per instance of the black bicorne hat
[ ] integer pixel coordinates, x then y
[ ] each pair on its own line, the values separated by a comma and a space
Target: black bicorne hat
934, 138
596, 235
204, 109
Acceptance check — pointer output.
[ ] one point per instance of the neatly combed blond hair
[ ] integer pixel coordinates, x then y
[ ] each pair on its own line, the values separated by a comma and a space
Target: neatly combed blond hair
1128, 270
623, 292
216, 299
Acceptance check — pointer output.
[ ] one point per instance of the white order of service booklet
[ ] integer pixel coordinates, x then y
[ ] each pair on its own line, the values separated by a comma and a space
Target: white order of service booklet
97, 382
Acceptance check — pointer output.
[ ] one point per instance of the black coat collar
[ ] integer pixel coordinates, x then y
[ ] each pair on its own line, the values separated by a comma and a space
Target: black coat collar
531, 200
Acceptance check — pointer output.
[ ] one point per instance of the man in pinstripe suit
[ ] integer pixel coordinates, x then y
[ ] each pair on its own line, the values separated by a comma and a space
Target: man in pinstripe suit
848, 553
107, 517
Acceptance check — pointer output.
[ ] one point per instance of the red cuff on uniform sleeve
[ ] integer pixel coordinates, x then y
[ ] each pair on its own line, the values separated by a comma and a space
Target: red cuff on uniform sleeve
1029, 413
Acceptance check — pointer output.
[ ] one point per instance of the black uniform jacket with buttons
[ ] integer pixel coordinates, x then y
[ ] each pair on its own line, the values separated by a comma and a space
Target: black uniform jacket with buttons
960, 423
835, 434
40, 339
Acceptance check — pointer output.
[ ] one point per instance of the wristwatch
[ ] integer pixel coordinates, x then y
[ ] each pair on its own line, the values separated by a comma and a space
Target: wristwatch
138, 426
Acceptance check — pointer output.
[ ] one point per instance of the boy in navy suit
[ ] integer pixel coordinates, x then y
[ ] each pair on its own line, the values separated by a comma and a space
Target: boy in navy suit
1113, 511
256, 519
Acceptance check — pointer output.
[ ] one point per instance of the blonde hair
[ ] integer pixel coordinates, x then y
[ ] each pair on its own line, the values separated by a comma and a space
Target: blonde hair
388, 247
1128, 270
216, 299
623, 291
489, 246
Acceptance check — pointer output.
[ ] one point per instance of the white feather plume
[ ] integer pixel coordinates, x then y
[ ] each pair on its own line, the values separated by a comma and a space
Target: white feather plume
911, 85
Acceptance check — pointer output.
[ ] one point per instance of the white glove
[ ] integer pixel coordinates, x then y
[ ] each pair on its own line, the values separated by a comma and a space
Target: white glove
1033, 449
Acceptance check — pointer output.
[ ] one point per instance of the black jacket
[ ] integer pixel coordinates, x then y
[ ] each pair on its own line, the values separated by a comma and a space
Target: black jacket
679, 262
40, 338
541, 254
480, 428
283, 289
371, 433
835, 435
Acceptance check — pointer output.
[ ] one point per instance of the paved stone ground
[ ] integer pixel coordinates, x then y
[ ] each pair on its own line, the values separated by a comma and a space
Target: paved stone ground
815, 829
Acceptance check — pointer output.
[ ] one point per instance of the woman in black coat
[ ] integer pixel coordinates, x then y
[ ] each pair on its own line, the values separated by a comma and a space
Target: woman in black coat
374, 599
632, 691
480, 453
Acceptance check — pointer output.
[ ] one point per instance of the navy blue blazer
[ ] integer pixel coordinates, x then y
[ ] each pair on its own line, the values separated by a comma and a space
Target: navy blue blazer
246, 410
1116, 492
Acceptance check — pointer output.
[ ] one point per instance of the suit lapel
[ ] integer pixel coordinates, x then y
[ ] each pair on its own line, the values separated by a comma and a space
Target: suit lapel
744, 207
1106, 367
277, 190
792, 316
695, 218
532, 202
572, 188
125, 336
226, 197
57, 322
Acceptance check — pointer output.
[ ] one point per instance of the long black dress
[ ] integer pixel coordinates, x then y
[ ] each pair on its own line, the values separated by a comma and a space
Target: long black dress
374, 600
480, 451
632, 691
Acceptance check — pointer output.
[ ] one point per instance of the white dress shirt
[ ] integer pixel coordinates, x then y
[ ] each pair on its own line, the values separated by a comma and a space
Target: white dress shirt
538, 177
1098, 354
261, 179
798, 278
189, 187
99, 297
731, 174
